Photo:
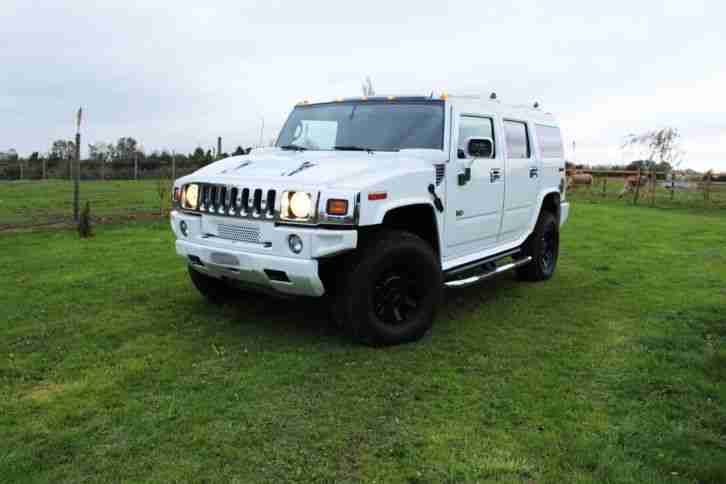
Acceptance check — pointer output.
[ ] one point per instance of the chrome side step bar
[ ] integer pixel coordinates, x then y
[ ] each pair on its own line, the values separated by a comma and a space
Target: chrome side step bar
469, 281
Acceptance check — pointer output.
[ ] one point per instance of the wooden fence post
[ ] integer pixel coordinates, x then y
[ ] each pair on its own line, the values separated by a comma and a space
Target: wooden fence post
636, 194
707, 188
605, 185
77, 176
45, 174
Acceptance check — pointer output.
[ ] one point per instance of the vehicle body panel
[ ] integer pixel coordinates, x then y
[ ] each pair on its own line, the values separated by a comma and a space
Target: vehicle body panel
480, 218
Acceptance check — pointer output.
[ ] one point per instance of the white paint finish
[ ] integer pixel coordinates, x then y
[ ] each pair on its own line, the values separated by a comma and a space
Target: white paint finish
496, 216
522, 188
474, 209
331, 242
303, 273
564, 213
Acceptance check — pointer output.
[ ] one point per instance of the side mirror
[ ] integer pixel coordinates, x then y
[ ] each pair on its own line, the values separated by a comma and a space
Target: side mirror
480, 147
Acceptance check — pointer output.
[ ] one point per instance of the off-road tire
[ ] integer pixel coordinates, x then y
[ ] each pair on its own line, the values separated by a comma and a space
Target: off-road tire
388, 292
544, 247
214, 290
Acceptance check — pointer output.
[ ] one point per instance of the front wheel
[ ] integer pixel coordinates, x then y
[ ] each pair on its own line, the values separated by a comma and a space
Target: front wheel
544, 248
390, 291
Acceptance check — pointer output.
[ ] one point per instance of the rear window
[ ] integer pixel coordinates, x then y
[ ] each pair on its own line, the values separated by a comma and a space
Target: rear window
549, 141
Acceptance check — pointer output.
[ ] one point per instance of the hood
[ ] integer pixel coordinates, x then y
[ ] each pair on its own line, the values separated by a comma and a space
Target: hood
326, 168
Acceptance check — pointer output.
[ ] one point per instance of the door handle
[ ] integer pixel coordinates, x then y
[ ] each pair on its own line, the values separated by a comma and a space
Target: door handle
533, 172
495, 174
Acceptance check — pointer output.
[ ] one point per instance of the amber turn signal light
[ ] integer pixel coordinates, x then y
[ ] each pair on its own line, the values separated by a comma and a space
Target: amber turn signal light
337, 206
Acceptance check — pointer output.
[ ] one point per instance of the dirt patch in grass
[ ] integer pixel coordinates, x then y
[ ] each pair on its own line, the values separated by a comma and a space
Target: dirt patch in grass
47, 391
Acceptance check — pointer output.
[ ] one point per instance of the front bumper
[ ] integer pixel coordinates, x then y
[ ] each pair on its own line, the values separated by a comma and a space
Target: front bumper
268, 265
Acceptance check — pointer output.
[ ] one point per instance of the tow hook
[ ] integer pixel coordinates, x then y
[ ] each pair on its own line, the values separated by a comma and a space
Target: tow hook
437, 201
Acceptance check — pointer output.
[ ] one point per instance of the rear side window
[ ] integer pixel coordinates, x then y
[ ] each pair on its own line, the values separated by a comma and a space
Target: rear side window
549, 140
517, 139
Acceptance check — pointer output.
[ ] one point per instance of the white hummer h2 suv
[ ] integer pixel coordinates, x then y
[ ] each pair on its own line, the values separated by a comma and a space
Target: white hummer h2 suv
376, 204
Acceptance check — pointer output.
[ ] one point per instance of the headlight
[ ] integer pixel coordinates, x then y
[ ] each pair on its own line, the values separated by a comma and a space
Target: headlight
297, 206
301, 204
190, 196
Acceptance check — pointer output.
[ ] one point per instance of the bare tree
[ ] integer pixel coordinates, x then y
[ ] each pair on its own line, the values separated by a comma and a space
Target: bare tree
661, 149
127, 148
62, 149
660, 145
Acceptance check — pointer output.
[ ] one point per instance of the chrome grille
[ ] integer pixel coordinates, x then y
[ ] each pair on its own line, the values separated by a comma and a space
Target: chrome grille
236, 201
240, 233
440, 171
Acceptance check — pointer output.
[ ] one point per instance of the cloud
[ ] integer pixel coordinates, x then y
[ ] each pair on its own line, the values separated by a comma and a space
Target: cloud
176, 74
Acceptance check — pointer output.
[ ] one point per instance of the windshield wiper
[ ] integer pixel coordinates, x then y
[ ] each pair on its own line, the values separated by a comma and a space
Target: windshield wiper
352, 148
293, 147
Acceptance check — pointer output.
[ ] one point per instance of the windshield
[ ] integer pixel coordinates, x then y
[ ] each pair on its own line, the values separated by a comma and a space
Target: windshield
365, 125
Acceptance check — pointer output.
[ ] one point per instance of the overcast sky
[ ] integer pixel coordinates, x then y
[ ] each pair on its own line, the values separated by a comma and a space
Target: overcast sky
176, 74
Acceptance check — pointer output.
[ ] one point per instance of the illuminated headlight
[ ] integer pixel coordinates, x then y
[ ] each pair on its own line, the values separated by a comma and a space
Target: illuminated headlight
190, 196
297, 206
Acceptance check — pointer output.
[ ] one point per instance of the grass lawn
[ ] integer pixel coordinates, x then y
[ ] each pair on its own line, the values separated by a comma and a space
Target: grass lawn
680, 198
37, 202
113, 368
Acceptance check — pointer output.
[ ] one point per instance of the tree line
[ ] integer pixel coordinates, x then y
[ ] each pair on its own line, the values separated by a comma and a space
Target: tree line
126, 148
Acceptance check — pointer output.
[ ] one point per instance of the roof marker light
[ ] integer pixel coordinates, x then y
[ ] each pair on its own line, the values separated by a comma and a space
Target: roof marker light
391, 98
364, 98
338, 99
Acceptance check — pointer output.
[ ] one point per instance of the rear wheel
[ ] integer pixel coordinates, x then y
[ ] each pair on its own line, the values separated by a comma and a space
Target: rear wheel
388, 293
544, 248
215, 290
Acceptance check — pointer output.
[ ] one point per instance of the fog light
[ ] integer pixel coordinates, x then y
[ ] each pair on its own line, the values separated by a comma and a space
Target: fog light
184, 228
295, 243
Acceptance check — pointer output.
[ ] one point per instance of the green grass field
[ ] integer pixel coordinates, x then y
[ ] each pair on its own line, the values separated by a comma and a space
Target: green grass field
113, 368
28, 203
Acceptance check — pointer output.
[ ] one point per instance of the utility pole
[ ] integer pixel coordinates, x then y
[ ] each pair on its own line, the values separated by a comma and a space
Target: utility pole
77, 174
173, 165
136, 165
219, 147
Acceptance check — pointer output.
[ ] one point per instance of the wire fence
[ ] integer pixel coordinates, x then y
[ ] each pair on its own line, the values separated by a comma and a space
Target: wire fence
647, 188
138, 168
41, 192
139, 189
